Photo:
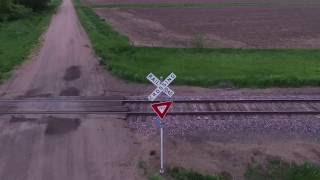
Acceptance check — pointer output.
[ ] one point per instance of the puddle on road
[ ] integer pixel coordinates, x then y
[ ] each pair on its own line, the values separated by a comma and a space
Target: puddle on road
53, 125
20, 119
59, 126
71, 91
72, 73
32, 93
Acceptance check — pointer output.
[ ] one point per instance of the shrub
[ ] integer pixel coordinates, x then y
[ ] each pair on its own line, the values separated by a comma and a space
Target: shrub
34, 4
199, 41
10, 10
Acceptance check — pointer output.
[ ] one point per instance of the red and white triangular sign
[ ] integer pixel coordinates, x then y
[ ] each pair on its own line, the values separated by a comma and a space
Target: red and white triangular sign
161, 109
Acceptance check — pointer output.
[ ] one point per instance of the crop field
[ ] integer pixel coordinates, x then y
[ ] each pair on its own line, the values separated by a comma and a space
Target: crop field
215, 23
99, 2
103, 2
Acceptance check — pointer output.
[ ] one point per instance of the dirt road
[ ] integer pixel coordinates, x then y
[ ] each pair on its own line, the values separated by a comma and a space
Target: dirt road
65, 147
65, 65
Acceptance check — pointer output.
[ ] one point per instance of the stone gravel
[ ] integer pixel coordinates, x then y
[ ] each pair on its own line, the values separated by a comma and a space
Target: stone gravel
234, 127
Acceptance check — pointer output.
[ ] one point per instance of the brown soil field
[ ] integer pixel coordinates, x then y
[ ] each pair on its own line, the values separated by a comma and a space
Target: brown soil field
247, 27
158, 1
196, 1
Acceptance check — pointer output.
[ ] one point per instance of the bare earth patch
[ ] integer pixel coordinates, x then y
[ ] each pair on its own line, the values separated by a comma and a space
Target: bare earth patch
228, 27
95, 2
231, 159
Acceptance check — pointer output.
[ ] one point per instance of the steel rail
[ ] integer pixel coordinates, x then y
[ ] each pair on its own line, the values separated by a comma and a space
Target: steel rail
170, 113
175, 101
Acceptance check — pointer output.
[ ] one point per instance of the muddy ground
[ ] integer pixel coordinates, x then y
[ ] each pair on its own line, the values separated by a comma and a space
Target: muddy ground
225, 27
99, 147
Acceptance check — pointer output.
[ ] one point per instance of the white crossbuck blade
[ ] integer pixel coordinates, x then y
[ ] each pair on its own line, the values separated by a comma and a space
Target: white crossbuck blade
161, 86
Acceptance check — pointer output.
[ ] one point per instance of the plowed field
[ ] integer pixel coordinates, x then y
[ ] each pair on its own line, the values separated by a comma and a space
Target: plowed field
223, 27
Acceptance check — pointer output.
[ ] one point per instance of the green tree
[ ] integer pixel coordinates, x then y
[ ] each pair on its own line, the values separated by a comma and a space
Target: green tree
9, 10
36, 5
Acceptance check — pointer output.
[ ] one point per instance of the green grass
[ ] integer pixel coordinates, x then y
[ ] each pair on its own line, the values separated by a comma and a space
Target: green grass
156, 177
279, 170
19, 37
274, 170
201, 67
183, 174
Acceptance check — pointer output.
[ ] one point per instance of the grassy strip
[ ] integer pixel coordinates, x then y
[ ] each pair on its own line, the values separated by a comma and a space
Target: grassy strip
279, 170
201, 67
184, 174
274, 170
19, 37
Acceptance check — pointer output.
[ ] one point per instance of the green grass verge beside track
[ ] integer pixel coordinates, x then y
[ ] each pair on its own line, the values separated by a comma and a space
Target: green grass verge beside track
280, 170
201, 67
273, 170
19, 37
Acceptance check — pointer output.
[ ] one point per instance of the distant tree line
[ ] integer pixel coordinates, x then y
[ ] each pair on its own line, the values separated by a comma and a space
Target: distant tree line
15, 9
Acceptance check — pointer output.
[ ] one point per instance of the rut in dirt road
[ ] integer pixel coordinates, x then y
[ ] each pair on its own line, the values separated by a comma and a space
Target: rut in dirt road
65, 147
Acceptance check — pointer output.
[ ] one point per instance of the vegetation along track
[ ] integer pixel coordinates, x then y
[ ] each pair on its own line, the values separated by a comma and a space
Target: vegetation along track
192, 107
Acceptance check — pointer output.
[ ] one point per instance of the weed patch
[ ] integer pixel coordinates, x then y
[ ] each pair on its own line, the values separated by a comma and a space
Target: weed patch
280, 170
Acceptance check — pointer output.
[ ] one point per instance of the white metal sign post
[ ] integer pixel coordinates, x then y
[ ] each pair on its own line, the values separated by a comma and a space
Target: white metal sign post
161, 150
161, 109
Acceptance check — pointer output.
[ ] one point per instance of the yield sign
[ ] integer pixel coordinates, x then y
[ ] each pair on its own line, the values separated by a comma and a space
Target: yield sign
161, 109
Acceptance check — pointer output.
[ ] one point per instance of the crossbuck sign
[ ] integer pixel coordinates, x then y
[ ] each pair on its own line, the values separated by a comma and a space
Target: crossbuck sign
161, 86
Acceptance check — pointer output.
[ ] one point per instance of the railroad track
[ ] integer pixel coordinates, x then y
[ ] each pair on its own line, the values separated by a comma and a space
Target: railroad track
191, 107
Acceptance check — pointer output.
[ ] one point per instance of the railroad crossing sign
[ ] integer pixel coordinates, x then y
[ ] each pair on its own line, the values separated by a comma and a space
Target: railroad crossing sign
161, 86
161, 109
